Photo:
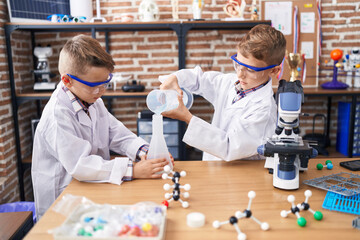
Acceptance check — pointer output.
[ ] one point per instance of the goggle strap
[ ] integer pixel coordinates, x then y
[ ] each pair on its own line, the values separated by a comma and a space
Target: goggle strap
91, 84
251, 67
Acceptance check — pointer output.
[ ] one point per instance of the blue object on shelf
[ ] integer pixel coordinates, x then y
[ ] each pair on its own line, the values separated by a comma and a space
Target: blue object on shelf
343, 129
19, 207
337, 202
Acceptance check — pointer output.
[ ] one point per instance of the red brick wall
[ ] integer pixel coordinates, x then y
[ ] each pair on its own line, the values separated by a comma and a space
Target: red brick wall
8, 169
146, 55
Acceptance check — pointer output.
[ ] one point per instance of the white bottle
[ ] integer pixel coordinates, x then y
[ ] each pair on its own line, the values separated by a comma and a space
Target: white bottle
81, 8
158, 147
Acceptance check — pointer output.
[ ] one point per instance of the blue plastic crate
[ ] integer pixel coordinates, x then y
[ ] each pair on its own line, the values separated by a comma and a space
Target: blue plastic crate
337, 202
343, 129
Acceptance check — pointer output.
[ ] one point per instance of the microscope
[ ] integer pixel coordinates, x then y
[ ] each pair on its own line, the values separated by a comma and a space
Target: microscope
42, 71
286, 152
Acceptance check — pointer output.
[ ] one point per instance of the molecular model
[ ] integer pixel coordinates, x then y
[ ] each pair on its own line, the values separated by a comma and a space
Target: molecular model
303, 206
328, 165
175, 195
238, 214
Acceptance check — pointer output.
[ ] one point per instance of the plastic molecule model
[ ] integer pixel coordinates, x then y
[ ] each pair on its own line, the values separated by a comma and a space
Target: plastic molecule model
328, 165
245, 214
176, 192
303, 206
335, 55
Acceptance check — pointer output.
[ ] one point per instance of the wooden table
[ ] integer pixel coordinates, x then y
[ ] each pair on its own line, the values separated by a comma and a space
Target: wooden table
218, 190
15, 225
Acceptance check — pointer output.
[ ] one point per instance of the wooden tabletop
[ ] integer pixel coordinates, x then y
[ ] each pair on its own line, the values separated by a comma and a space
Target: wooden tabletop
218, 190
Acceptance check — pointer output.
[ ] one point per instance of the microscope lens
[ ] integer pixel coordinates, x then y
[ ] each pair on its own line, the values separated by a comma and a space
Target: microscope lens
286, 168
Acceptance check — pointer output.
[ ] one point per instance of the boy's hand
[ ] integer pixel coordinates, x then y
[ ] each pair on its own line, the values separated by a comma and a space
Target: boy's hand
181, 112
171, 83
172, 159
147, 168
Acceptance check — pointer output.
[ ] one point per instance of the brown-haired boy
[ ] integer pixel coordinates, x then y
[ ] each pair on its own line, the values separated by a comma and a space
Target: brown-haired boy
76, 132
245, 110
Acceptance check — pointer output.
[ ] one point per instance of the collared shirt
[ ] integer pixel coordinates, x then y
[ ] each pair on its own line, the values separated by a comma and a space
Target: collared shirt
142, 151
240, 93
79, 105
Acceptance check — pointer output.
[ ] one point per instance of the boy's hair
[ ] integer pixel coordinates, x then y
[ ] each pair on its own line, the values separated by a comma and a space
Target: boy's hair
264, 43
82, 52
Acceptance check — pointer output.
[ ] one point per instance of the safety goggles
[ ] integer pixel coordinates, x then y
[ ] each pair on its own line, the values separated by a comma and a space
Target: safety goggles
255, 72
93, 84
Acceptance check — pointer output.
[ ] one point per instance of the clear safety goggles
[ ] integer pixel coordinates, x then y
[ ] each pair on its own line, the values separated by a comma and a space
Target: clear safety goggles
94, 87
251, 71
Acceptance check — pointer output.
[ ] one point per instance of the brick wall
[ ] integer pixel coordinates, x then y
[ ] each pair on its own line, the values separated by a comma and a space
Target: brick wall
8, 168
145, 55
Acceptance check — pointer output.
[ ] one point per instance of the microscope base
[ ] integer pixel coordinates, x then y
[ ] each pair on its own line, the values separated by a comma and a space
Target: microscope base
44, 86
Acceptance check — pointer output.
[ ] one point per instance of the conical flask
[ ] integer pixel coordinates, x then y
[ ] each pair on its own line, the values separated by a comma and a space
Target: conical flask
158, 147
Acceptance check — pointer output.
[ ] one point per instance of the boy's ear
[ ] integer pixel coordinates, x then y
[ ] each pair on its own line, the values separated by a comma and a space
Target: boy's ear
66, 80
274, 71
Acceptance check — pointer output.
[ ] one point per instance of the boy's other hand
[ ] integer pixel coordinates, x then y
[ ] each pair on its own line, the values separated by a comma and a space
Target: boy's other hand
181, 112
171, 83
147, 168
172, 159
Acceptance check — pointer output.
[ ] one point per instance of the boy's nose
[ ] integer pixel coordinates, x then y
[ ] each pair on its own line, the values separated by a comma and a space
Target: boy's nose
240, 73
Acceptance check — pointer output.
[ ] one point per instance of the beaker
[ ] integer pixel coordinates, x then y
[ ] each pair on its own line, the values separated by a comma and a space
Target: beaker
159, 101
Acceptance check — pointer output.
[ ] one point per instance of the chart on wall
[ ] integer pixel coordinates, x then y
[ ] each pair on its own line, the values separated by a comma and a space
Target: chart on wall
298, 20
36, 10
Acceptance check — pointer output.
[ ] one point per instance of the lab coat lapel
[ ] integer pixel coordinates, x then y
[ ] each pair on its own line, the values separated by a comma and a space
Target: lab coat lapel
82, 116
253, 96
84, 119
241, 103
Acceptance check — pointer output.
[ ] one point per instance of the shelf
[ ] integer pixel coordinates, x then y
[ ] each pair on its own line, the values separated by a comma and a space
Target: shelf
332, 154
109, 94
78, 27
135, 26
318, 91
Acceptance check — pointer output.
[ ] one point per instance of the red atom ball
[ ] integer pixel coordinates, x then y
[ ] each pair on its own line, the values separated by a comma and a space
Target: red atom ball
165, 203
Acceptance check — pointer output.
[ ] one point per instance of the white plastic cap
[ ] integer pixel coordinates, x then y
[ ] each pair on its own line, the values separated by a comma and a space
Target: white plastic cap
195, 219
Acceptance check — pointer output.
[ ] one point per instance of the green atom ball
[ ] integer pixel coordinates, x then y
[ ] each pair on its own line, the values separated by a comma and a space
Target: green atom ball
328, 161
318, 215
319, 166
301, 222
81, 232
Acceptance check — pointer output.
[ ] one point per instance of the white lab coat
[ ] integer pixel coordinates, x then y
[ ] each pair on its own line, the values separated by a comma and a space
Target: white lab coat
236, 129
72, 145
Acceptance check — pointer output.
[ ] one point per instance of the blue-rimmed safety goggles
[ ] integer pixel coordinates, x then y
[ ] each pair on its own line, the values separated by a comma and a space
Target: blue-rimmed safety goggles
91, 84
256, 69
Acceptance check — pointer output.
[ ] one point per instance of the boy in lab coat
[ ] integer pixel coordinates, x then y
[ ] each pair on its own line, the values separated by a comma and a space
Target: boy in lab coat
245, 111
76, 132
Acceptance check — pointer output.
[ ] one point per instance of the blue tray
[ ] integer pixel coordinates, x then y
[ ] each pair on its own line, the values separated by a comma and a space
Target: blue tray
337, 202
